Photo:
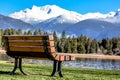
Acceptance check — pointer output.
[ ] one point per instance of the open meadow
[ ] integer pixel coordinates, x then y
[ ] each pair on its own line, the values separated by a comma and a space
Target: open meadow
41, 72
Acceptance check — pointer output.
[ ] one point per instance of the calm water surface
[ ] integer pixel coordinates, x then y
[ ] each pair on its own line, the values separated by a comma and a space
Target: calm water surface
80, 63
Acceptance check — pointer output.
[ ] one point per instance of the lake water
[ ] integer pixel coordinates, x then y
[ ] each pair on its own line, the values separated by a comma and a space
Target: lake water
80, 63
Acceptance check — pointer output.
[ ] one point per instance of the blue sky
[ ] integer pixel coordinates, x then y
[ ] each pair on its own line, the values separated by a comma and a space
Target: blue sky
81, 6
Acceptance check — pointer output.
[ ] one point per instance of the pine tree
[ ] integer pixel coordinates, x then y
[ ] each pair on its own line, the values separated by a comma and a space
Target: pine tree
58, 46
67, 46
19, 32
55, 39
29, 32
80, 48
63, 41
1, 33
87, 45
93, 46
55, 36
64, 35
37, 32
109, 47
74, 45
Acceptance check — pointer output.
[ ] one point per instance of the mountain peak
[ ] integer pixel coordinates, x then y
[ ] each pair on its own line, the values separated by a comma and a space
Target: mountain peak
117, 13
34, 7
47, 8
38, 14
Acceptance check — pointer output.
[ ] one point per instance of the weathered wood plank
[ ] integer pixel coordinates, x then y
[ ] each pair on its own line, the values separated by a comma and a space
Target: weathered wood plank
19, 37
30, 43
31, 49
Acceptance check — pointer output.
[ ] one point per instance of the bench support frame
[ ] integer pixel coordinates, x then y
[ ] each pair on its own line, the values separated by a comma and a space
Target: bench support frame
17, 64
57, 68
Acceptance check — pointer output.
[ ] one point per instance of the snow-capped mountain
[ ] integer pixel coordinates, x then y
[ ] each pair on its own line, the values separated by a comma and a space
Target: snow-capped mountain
7, 22
53, 18
117, 13
58, 23
39, 14
113, 17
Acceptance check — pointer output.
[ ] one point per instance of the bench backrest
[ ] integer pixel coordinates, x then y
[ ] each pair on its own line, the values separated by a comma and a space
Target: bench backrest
41, 46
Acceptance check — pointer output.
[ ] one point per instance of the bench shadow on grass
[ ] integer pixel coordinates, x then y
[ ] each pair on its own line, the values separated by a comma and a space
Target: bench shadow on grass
7, 73
4, 72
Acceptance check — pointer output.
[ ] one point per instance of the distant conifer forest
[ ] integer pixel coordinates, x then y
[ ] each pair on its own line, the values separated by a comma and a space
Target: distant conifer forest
80, 44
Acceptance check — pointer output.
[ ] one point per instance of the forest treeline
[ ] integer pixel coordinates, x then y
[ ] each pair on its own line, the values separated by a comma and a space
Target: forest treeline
80, 44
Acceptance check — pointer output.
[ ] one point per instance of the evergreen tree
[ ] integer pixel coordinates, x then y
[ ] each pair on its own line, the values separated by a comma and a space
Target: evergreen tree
87, 45
55, 39
80, 48
55, 36
25, 33
74, 45
63, 41
105, 43
37, 32
19, 32
67, 46
1, 33
109, 47
64, 35
58, 46
29, 32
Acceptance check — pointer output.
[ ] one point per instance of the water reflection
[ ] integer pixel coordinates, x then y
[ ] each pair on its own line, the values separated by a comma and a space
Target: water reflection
95, 64
79, 63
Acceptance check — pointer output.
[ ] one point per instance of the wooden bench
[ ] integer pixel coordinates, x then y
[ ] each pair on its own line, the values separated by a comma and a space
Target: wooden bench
34, 47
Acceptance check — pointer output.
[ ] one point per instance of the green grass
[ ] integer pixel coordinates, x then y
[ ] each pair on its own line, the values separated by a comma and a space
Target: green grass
40, 72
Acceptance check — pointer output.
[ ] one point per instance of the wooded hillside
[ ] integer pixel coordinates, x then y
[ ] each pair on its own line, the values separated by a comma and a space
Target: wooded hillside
80, 44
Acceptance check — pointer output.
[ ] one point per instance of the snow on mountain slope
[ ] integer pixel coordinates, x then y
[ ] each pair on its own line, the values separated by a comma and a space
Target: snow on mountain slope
7, 22
94, 15
53, 18
39, 14
113, 17
56, 24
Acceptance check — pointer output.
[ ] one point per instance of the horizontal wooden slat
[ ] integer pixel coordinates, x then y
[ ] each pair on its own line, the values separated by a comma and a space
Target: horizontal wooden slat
30, 46
30, 43
22, 37
31, 49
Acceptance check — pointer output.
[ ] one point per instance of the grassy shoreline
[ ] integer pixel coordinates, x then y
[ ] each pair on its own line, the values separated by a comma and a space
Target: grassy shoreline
41, 72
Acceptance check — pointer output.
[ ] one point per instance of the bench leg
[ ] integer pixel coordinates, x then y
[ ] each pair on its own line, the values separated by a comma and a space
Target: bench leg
57, 68
20, 66
16, 65
54, 68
